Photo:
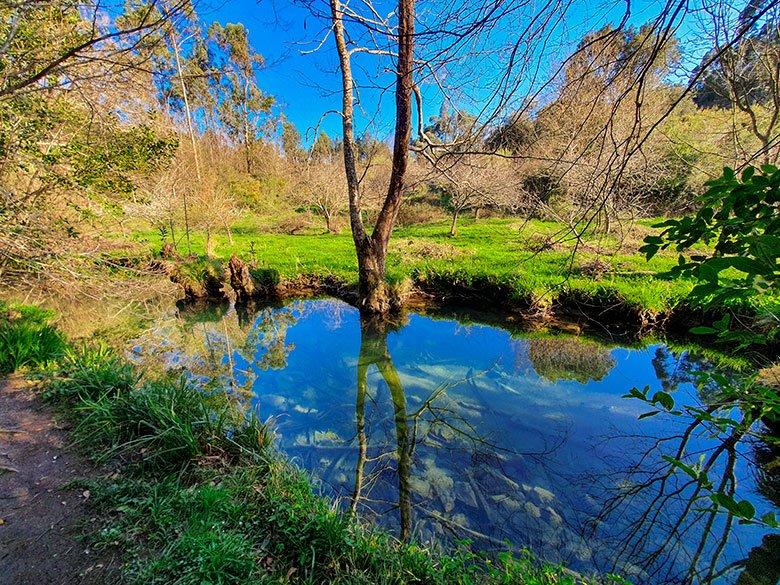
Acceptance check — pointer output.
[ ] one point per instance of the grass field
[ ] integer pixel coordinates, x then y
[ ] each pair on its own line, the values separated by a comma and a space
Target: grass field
510, 251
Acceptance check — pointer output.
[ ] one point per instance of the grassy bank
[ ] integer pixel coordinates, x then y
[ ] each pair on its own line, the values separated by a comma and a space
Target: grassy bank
194, 491
512, 252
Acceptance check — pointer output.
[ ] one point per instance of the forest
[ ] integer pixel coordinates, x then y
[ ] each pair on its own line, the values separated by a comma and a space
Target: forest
389, 291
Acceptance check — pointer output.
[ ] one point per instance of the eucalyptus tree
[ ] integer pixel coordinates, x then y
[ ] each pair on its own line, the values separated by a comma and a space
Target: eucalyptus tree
241, 103
291, 143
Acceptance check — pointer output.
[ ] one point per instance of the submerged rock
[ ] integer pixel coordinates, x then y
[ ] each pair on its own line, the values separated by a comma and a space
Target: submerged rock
555, 518
465, 494
532, 510
545, 496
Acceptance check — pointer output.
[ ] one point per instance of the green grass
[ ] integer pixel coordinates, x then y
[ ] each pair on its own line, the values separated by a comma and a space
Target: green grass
197, 494
503, 250
27, 339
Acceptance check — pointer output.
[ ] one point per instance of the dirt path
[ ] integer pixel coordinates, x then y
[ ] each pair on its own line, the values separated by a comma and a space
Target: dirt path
39, 519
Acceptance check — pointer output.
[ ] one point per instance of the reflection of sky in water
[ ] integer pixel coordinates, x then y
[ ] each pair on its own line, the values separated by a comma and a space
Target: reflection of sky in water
498, 451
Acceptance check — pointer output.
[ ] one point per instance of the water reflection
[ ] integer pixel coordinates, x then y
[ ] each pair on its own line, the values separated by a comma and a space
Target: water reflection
373, 352
443, 431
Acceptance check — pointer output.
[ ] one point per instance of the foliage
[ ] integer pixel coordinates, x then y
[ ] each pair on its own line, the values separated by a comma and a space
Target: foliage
739, 219
725, 423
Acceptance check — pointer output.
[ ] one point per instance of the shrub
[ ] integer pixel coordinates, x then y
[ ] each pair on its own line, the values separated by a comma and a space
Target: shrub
419, 213
295, 224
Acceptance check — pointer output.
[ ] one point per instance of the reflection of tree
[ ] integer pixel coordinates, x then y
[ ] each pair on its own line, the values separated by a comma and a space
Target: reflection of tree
570, 358
668, 526
373, 351
220, 346
441, 426
675, 368
761, 567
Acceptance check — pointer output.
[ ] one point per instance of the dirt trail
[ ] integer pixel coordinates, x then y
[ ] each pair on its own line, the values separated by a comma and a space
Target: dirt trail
39, 519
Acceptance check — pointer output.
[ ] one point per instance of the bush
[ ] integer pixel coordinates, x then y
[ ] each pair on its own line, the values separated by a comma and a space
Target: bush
295, 224
419, 213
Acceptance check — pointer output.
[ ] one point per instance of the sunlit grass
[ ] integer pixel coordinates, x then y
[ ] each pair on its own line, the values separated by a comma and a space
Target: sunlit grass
510, 250
27, 338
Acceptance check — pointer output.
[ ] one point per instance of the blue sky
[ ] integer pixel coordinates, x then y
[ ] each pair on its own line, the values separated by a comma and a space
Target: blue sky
308, 85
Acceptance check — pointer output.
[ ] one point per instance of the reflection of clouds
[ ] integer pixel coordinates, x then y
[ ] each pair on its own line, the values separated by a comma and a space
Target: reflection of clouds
334, 312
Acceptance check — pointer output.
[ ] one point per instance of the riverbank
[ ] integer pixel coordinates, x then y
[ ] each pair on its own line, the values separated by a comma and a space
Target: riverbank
533, 258
197, 492
521, 270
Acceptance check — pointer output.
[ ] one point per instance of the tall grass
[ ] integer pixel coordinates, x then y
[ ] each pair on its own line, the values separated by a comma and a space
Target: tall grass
169, 420
27, 338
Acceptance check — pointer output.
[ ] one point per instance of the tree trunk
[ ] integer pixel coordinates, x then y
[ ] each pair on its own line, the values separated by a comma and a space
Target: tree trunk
476, 213
374, 297
173, 234
209, 243
190, 130
454, 224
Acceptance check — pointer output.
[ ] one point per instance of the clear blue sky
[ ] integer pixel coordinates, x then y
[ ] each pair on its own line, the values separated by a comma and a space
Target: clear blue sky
308, 85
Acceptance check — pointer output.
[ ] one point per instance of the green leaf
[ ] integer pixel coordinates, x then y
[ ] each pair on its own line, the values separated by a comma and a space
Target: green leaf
769, 519
703, 330
742, 509
680, 465
664, 399
648, 414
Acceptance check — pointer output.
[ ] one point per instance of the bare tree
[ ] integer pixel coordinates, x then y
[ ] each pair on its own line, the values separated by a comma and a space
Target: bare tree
745, 76
372, 248
472, 182
321, 185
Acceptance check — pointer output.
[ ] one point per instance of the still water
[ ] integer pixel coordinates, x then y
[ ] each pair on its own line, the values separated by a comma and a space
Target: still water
442, 431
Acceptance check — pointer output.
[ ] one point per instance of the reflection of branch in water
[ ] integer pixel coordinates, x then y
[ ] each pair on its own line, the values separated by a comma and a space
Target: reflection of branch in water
654, 539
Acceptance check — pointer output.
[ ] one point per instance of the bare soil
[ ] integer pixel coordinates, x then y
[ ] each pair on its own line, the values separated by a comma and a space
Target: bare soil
40, 517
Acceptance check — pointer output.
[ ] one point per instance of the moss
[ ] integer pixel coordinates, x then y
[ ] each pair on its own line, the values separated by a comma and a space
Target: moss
266, 278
